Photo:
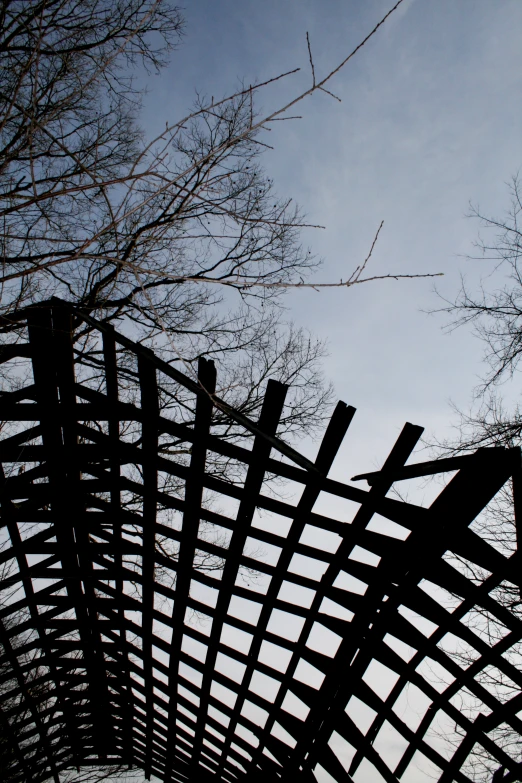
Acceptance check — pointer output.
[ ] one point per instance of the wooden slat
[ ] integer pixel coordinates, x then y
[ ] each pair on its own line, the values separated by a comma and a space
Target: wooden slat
189, 534
149, 446
85, 509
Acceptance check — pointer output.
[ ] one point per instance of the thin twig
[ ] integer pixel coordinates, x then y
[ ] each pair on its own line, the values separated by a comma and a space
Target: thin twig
243, 283
246, 284
323, 89
311, 59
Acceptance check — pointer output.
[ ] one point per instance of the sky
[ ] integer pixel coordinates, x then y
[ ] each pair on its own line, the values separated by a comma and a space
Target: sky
429, 120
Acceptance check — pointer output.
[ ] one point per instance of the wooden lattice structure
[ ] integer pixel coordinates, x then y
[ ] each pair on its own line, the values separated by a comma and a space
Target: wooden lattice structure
280, 647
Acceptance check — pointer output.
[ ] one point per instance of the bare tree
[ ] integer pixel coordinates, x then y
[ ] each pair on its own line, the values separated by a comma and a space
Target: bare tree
156, 234
495, 313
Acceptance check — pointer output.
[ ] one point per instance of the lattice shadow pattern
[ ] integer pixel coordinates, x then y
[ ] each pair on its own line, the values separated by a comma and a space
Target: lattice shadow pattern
171, 605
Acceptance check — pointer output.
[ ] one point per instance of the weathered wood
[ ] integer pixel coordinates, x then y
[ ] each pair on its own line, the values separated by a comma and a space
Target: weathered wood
155, 641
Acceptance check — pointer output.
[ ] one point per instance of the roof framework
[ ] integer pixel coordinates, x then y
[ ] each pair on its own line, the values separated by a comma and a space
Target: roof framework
162, 615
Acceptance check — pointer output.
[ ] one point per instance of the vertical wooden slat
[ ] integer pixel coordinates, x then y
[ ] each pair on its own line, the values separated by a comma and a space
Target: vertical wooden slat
149, 448
189, 533
111, 383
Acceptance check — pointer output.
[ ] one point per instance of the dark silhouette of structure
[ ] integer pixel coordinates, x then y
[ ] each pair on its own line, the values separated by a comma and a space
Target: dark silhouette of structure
253, 669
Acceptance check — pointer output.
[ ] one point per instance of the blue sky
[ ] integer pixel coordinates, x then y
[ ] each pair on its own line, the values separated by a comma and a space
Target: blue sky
430, 119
